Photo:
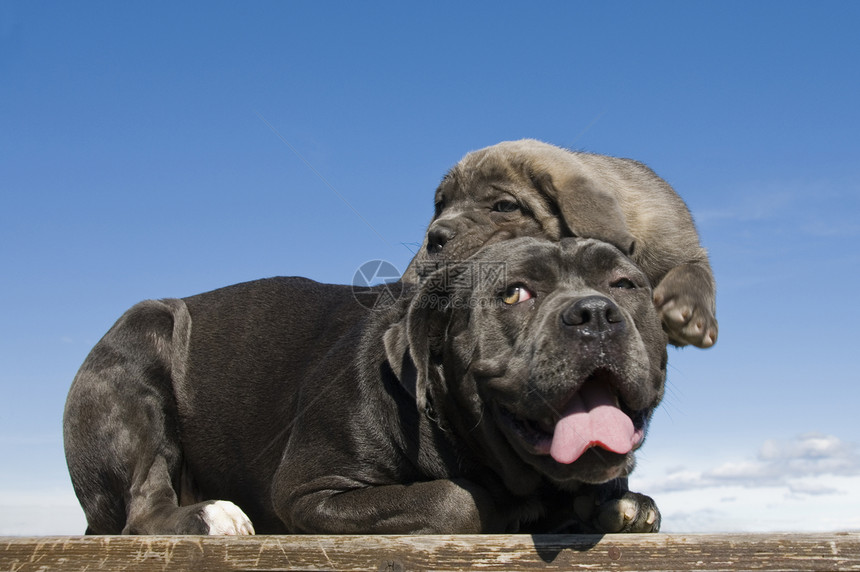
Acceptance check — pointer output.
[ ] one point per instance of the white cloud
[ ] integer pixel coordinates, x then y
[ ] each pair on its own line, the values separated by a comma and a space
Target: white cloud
799, 488
777, 463
823, 504
811, 454
739, 471
809, 445
811, 483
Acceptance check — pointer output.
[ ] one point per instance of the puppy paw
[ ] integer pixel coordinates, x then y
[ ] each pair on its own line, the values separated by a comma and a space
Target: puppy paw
686, 322
224, 517
685, 301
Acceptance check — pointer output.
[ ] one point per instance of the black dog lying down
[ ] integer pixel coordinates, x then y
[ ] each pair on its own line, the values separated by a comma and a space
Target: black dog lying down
491, 398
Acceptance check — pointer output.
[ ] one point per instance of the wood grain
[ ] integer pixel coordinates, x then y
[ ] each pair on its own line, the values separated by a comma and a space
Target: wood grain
836, 551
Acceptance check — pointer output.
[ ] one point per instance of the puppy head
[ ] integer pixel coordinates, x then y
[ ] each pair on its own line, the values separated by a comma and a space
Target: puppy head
517, 188
547, 359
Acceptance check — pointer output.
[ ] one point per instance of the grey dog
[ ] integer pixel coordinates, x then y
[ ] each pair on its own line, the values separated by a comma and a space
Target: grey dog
487, 399
531, 188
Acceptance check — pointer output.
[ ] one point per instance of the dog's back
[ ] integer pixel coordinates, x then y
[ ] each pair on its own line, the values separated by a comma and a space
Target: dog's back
211, 366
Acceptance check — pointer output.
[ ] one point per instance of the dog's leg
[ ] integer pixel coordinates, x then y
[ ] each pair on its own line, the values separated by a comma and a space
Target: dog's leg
613, 508
122, 435
606, 508
432, 507
686, 301
154, 509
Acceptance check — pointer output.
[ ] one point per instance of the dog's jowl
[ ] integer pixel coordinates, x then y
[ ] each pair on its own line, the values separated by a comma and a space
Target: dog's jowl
477, 402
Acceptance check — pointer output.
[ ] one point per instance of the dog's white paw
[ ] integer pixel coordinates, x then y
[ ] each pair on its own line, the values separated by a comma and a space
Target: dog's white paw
224, 517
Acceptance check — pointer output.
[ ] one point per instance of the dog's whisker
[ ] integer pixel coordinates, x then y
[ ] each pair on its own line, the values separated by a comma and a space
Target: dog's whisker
478, 421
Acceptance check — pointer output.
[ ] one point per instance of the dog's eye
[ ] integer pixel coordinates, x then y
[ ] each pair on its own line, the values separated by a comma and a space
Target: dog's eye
506, 207
516, 294
440, 206
624, 283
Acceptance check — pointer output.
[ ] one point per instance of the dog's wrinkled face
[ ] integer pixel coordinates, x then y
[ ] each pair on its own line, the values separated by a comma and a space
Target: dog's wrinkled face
480, 199
513, 189
550, 358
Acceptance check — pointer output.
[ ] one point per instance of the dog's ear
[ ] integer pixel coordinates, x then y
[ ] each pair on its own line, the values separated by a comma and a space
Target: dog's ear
587, 210
400, 359
412, 344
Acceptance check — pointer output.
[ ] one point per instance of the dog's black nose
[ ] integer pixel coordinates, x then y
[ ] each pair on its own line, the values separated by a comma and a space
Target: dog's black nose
438, 237
593, 315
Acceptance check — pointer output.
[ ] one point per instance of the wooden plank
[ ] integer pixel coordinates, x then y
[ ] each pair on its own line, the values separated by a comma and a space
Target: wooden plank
837, 551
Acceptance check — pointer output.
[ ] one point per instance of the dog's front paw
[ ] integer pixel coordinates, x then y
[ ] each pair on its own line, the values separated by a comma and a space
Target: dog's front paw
685, 302
224, 517
632, 512
686, 322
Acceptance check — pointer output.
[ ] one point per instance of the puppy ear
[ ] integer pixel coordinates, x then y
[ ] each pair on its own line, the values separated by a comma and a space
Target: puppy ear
587, 210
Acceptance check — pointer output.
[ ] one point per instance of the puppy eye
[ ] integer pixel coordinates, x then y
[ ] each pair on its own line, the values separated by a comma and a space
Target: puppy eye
506, 207
440, 206
624, 283
516, 294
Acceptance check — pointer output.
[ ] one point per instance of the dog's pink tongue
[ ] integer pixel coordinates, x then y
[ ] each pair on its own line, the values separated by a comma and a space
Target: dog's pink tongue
592, 419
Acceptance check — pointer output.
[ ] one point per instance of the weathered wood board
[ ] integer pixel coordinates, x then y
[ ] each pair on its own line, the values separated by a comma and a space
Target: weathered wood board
836, 551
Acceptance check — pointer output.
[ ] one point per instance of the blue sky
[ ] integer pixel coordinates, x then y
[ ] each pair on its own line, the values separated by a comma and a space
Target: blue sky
159, 149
